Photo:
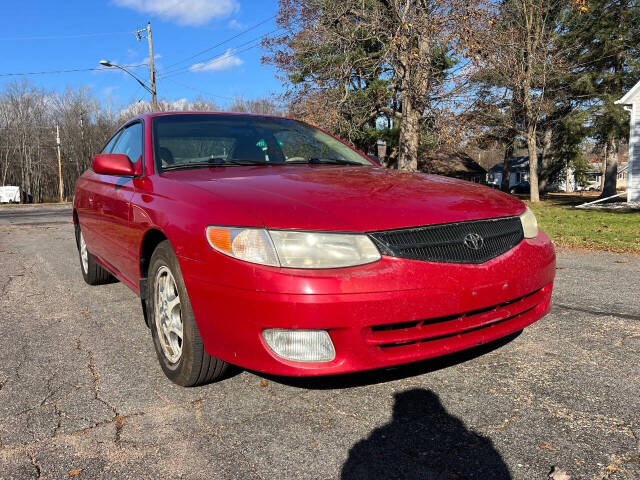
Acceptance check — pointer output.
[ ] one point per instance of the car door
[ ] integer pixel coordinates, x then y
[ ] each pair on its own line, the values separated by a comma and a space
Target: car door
85, 199
112, 203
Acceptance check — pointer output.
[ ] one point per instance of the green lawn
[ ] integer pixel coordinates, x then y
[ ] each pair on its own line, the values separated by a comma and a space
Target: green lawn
589, 229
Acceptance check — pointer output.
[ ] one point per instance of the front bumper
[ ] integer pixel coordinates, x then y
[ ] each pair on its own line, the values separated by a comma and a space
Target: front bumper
392, 312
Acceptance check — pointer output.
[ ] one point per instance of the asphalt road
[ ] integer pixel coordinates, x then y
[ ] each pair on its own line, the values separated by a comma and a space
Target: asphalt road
82, 394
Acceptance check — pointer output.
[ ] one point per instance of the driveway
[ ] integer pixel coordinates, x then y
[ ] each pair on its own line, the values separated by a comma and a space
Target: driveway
82, 394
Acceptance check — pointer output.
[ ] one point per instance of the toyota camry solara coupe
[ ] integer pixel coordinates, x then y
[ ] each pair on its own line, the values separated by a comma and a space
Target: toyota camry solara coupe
267, 243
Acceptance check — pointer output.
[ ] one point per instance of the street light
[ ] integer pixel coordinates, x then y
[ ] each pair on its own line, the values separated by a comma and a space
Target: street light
151, 90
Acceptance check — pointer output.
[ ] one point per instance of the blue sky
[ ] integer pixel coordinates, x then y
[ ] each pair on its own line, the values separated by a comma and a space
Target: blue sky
49, 35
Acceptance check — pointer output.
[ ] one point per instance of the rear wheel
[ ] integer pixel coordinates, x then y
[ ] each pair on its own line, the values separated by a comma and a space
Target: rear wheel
92, 273
175, 334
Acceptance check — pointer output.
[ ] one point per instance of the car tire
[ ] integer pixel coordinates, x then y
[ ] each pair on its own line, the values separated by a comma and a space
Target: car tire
183, 360
92, 273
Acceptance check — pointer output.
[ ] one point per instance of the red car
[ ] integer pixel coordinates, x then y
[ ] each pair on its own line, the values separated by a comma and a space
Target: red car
269, 244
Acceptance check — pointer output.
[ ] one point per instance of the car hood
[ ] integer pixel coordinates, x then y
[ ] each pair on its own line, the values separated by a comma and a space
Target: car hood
348, 198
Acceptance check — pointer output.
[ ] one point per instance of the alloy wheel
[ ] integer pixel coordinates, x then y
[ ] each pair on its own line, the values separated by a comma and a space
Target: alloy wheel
84, 254
168, 314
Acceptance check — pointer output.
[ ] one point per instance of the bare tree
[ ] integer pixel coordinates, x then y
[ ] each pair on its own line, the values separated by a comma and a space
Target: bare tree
360, 60
261, 105
515, 46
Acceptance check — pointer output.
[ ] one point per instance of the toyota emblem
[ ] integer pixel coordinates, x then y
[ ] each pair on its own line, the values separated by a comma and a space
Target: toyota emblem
473, 241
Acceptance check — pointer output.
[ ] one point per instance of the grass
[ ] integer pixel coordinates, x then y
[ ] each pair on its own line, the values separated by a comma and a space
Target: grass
587, 229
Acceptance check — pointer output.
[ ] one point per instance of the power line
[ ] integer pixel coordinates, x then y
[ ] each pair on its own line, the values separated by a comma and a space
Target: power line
208, 62
56, 37
252, 27
198, 90
221, 55
73, 70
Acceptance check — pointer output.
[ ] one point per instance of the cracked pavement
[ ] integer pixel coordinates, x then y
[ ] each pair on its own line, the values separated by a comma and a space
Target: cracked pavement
82, 394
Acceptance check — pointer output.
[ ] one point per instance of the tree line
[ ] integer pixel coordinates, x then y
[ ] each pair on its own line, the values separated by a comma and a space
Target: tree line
31, 117
482, 75
429, 74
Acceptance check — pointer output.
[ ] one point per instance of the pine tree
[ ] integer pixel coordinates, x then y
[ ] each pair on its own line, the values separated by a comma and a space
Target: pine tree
603, 38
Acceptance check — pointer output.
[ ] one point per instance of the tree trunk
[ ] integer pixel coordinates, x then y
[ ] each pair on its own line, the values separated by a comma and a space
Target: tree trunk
409, 138
603, 167
611, 172
5, 166
533, 164
546, 159
506, 166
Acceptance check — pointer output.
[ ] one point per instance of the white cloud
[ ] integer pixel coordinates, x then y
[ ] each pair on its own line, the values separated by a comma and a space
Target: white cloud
183, 12
109, 90
223, 62
236, 25
145, 60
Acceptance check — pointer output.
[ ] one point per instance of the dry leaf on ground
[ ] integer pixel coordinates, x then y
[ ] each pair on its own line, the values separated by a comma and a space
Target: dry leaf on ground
558, 474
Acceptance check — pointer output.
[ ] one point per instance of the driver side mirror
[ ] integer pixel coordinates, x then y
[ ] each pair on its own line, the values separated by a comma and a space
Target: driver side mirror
113, 164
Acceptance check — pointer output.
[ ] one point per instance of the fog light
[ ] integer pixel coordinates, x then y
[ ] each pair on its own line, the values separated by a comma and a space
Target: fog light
300, 345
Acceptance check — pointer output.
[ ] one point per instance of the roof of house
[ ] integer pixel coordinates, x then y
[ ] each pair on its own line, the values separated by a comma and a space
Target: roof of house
449, 163
517, 164
632, 96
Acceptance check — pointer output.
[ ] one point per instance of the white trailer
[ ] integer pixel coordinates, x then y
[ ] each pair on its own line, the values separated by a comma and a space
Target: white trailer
9, 194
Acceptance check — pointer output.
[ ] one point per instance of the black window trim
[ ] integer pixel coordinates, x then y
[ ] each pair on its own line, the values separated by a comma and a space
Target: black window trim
117, 134
122, 129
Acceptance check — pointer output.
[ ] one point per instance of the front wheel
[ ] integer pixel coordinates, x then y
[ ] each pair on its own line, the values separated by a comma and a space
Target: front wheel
175, 334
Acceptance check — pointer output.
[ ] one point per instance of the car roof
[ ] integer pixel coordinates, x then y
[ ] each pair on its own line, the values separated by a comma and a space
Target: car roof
238, 114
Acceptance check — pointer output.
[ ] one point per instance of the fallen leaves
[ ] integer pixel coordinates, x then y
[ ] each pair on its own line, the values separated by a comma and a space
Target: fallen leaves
558, 474
613, 468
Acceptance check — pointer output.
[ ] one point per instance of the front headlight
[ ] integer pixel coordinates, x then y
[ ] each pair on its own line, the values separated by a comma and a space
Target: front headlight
323, 250
292, 249
249, 244
529, 224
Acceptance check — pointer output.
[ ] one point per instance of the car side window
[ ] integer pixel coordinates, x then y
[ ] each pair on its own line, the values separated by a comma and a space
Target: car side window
107, 148
130, 142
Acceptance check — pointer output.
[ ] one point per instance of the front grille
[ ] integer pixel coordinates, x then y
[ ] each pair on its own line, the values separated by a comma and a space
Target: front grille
446, 243
429, 331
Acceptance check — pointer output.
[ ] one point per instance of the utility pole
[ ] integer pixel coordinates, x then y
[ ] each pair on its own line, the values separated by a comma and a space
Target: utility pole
152, 70
83, 158
61, 184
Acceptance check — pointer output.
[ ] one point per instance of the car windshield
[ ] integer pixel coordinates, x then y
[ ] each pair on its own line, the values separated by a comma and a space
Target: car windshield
189, 141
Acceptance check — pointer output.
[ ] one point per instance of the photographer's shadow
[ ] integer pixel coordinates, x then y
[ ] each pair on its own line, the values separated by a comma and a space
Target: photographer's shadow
423, 441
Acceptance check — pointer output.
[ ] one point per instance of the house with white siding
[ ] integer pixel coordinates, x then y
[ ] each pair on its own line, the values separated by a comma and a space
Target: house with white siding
631, 102
519, 172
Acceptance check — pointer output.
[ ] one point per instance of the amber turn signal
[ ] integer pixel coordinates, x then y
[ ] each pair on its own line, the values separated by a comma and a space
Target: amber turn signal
219, 238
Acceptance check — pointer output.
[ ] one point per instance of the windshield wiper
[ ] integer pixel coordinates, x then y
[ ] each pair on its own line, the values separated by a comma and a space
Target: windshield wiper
236, 161
214, 162
221, 162
326, 161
